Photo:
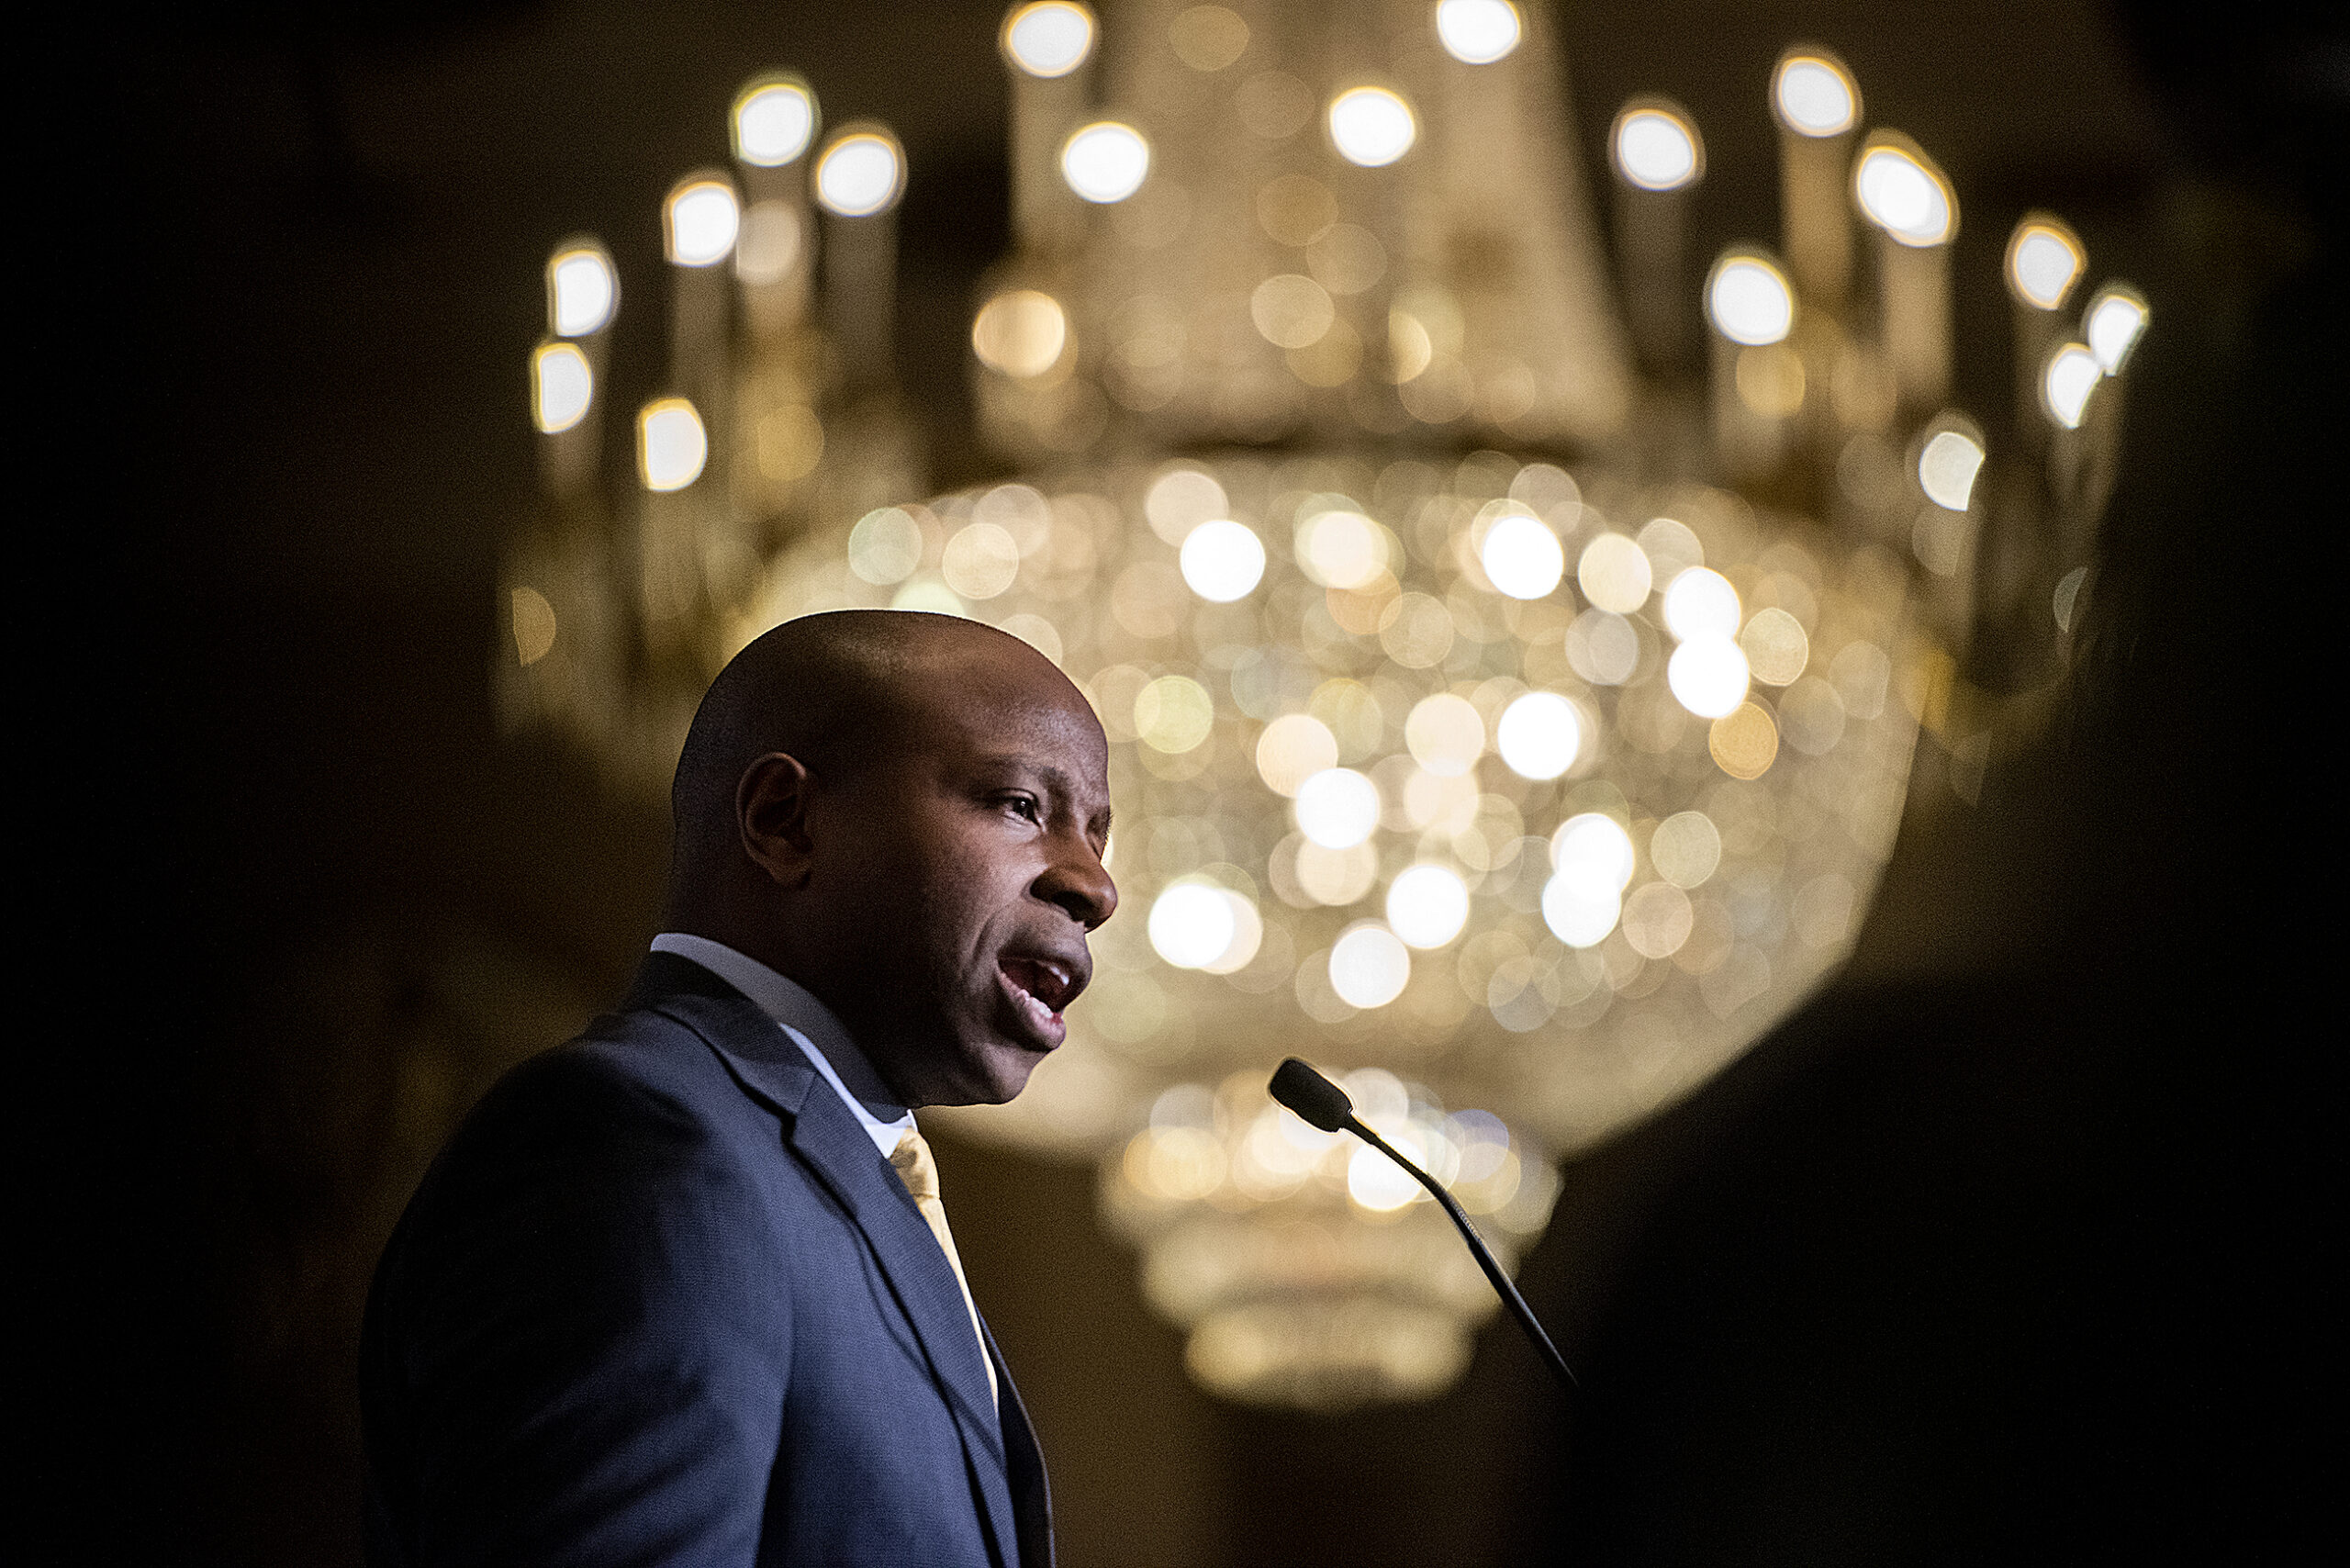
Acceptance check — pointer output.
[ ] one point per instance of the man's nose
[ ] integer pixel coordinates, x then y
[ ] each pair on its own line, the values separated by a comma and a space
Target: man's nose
1078, 883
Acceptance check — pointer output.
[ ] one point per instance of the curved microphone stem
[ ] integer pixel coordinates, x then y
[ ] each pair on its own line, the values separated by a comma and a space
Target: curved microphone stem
1502, 1283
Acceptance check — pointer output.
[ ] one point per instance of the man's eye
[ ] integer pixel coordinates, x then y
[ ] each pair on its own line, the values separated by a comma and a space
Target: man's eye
1024, 807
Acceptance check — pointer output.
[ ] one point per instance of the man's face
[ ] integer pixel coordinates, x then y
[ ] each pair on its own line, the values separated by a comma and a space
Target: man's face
959, 874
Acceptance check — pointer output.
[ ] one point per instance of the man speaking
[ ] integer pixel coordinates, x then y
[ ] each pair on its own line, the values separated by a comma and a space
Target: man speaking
683, 1291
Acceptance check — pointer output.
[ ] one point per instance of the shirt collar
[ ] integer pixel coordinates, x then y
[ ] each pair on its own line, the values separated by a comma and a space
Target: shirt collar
810, 1023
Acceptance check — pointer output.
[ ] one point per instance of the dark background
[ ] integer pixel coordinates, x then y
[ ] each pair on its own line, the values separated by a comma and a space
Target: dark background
1995, 1251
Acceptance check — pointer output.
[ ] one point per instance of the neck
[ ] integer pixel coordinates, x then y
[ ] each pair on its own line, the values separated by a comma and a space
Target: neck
855, 1065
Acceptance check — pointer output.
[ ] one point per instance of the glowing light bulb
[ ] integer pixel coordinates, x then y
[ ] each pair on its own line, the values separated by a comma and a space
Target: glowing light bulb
1049, 39
1581, 907
1701, 603
1614, 574
582, 290
1445, 735
1222, 560
2044, 260
1709, 675
1522, 556
1595, 843
1657, 148
1369, 967
860, 173
670, 445
2114, 322
1338, 807
775, 119
1428, 905
1371, 127
1814, 94
1539, 736
1105, 162
700, 221
1020, 332
562, 386
1343, 550
1478, 32
1901, 192
1192, 925
2072, 374
1947, 468
1749, 300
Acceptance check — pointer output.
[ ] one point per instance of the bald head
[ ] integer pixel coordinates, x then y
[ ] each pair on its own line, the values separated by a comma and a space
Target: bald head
842, 692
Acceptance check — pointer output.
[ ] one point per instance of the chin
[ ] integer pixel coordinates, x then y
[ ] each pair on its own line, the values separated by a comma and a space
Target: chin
994, 1074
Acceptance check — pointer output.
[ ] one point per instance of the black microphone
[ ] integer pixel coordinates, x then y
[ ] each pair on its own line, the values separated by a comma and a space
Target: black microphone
1322, 1103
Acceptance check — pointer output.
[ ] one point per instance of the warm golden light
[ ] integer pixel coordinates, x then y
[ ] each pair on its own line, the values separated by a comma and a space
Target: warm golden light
1343, 550
1701, 603
2072, 374
1371, 126
1814, 94
582, 290
1051, 38
1613, 574
1192, 925
1749, 301
1293, 748
1946, 469
1222, 561
2113, 323
981, 561
1685, 848
1656, 147
700, 220
1292, 310
1777, 649
1521, 557
1020, 332
670, 445
534, 623
562, 386
1106, 162
770, 244
1445, 735
1180, 500
1428, 905
1338, 807
1901, 190
1369, 967
885, 547
775, 119
1478, 32
862, 172
1539, 736
1709, 675
2044, 260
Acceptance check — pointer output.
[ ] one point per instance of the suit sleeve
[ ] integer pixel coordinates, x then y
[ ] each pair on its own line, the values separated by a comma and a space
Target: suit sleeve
580, 1337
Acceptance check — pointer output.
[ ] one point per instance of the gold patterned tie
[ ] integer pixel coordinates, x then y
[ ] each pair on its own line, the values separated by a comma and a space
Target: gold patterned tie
911, 1161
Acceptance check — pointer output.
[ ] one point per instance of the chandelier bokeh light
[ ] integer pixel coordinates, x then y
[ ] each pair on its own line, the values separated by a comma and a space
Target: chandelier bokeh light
1509, 705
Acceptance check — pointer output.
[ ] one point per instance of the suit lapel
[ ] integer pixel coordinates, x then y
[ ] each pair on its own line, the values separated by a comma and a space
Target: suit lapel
1032, 1497
828, 1140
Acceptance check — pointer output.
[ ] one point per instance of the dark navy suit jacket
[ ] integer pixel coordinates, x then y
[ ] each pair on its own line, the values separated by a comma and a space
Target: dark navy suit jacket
661, 1300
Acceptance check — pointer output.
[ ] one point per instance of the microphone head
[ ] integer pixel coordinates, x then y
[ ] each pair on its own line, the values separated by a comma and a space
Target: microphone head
1318, 1102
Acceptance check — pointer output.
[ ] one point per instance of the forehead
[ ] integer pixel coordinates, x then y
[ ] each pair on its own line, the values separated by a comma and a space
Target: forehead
1005, 707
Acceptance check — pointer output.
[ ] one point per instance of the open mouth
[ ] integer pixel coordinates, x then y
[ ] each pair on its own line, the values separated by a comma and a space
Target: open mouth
1040, 989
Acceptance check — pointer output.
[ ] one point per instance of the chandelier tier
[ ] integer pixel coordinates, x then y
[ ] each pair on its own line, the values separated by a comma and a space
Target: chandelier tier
1510, 703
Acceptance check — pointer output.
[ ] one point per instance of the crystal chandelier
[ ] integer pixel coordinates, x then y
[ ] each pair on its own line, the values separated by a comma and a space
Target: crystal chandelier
1512, 693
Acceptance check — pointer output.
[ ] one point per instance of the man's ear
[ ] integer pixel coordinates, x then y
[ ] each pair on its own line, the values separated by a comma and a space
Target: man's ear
771, 801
